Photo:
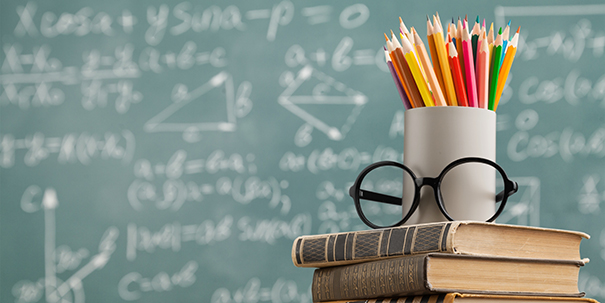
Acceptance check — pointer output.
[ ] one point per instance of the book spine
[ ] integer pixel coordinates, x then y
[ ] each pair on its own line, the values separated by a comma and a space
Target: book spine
345, 248
384, 278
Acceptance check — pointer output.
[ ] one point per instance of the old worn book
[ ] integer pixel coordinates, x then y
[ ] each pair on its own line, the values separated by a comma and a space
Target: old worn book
474, 298
458, 237
443, 272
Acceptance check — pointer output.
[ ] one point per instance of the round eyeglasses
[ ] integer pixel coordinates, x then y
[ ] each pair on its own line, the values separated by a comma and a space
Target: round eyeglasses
380, 200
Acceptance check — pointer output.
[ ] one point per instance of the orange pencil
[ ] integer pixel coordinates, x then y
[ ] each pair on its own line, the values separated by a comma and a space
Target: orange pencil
506, 65
457, 75
406, 74
458, 37
431, 77
450, 91
398, 69
433, 50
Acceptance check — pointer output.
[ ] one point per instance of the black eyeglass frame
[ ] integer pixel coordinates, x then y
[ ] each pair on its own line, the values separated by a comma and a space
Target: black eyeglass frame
355, 191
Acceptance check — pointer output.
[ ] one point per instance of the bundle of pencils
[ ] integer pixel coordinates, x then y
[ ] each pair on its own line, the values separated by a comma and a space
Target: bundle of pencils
465, 68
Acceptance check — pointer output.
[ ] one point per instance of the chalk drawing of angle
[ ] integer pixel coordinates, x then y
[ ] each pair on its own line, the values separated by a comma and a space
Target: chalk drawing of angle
209, 107
320, 101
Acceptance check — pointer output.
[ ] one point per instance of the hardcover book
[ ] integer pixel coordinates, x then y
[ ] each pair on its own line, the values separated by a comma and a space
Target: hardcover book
442, 272
474, 298
457, 237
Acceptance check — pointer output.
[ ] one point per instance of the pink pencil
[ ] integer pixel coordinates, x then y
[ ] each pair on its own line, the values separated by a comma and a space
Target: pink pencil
469, 68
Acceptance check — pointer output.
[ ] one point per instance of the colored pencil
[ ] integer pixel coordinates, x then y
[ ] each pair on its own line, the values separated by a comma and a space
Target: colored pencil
410, 58
406, 75
475, 38
506, 65
430, 72
450, 91
459, 28
495, 70
505, 40
403, 29
398, 71
434, 56
483, 73
469, 67
396, 80
457, 75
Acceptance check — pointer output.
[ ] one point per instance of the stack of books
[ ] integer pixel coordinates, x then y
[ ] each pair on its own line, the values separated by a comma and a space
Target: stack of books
446, 262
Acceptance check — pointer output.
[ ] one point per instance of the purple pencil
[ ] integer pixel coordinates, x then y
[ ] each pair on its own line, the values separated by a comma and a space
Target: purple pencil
402, 94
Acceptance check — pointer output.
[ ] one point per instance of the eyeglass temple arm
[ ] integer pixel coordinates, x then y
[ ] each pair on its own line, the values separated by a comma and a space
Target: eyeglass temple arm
373, 196
500, 195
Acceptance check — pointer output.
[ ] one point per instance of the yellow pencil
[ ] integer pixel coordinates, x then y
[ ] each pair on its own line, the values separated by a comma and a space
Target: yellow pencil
450, 91
432, 78
410, 58
506, 65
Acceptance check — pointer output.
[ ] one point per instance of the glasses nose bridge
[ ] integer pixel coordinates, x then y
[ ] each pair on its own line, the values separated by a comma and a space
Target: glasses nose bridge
420, 182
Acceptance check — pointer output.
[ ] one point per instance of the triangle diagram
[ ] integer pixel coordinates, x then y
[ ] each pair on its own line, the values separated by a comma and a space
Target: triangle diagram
214, 102
318, 99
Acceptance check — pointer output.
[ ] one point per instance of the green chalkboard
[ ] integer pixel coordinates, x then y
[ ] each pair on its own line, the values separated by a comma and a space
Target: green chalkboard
171, 151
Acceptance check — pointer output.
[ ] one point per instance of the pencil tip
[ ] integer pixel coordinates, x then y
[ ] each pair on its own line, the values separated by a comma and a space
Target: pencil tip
500, 31
509, 22
518, 29
400, 20
392, 33
477, 19
385, 48
386, 37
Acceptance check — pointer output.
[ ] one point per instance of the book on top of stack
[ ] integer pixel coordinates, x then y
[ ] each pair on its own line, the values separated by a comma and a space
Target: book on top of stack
464, 257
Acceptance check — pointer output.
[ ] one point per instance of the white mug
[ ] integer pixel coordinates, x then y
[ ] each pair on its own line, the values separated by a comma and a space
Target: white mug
436, 136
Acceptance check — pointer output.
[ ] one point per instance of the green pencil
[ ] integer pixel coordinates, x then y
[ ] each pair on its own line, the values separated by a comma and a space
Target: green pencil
493, 81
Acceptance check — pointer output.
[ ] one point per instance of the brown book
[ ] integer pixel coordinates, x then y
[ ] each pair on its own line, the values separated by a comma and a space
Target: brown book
474, 298
458, 237
442, 272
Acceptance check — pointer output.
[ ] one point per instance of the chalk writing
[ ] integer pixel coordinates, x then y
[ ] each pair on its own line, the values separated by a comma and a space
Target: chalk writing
71, 148
282, 291
133, 285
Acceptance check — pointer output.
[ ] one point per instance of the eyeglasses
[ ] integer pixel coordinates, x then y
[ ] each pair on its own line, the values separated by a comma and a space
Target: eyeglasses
380, 200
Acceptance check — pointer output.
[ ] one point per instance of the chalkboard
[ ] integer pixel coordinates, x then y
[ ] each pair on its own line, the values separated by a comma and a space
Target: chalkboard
172, 151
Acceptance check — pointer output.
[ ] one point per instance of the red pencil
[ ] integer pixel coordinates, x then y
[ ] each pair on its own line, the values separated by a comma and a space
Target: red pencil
457, 75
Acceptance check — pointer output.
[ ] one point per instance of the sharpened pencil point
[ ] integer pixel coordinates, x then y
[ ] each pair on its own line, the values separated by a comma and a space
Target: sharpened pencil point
386, 37
509, 22
477, 19
500, 31
518, 29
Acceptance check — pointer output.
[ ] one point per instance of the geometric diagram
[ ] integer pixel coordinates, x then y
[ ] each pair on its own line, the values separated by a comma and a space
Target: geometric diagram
318, 108
56, 290
182, 98
523, 208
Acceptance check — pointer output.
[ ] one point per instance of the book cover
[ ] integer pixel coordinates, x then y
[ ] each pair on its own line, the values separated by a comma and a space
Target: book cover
442, 272
458, 237
473, 298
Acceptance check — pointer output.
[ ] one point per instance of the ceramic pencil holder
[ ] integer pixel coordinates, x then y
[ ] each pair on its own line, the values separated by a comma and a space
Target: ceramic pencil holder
436, 136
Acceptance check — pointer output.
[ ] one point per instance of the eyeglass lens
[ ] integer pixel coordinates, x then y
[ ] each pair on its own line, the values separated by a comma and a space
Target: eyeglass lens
387, 193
